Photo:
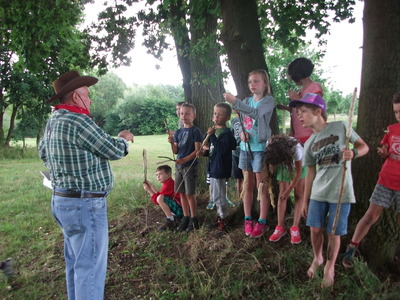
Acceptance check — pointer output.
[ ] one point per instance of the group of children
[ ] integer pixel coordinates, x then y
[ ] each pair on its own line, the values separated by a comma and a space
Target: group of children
309, 162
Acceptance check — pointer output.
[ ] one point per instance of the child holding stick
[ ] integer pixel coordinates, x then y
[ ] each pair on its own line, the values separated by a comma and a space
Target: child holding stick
326, 149
256, 112
186, 142
283, 162
386, 190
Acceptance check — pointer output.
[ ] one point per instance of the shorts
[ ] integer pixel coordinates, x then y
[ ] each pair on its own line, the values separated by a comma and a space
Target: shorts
185, 180
322, 214
174, 206
383, 196
247, 164
282, 174
236, 172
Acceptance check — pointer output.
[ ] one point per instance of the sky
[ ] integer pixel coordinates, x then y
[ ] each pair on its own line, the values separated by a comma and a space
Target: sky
341, 63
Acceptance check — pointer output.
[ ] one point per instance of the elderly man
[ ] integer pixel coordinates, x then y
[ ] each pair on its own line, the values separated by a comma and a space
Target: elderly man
77, 153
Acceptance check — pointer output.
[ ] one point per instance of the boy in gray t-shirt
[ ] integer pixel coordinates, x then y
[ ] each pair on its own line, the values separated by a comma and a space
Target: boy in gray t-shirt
324, 156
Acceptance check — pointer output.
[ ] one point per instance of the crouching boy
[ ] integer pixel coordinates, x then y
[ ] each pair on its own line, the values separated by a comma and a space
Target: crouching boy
166, 198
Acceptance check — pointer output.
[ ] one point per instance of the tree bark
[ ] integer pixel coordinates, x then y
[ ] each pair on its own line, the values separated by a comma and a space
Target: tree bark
206, 71
379, 81
180, 34
241, 36
12, 123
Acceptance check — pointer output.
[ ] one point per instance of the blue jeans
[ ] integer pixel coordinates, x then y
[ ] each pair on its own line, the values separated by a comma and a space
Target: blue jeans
85, 228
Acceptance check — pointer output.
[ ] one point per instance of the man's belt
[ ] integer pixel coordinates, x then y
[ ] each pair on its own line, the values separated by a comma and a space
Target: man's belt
79, 194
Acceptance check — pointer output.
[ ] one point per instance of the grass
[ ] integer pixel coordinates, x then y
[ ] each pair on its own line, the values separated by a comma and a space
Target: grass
154, 265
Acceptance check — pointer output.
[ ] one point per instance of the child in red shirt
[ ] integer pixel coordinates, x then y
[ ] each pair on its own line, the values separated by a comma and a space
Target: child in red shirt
386, 190
167, 199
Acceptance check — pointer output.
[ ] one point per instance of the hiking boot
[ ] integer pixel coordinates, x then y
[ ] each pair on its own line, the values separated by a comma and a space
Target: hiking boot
348, 256
7, 267
278, 234
295, 237
248, 227
258, 230
168, 225
193, 224
210, 204
183, 224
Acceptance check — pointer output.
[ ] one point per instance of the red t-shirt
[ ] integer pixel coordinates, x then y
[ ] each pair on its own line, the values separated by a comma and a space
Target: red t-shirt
297, 130
167, 189
390, 172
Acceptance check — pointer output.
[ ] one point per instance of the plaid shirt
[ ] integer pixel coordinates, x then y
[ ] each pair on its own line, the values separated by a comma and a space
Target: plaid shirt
77, 152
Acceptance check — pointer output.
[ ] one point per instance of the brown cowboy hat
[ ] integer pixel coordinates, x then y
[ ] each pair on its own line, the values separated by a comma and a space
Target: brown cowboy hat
68, 82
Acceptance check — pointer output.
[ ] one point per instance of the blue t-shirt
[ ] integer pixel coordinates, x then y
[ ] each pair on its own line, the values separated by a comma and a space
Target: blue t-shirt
185, 138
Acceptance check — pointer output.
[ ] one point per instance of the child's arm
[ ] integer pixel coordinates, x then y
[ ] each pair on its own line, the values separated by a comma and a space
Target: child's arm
383, 151
360, 149
174, 146
298, 165
197, 147
148, 187
311, 172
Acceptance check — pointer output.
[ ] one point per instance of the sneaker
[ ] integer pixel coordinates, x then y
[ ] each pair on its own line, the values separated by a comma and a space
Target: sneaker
258, 230
210, 205
248, 227
278, 234
214, 224
230, 203
183, 224
7, 267
222, 226
169, 224
193, 224
295, 235
348, 256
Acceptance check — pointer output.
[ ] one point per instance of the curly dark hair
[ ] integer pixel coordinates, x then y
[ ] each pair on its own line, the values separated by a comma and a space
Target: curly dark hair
279, 152
300, 68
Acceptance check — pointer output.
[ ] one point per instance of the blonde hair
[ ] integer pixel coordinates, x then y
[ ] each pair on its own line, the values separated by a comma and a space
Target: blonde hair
265, 79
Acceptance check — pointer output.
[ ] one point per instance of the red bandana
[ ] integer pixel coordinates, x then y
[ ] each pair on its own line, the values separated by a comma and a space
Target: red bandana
72, 108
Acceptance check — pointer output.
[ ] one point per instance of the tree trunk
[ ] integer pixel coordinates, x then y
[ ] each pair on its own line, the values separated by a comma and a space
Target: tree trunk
243, 43
12, 124
182, 45
2, 112
379, 82
206, 71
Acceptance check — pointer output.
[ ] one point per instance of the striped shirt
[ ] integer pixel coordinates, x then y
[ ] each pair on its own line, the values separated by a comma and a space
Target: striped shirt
77, 152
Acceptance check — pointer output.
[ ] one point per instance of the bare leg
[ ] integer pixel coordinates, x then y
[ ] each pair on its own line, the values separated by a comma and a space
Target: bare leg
317, 241
164, 206
193, 205
298, 202
282, 203
248, 194
329, 269
364, 225
265, 200
185, 205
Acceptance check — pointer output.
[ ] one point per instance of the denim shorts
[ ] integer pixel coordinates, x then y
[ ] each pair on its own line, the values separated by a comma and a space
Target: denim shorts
384, 197
322, 214
247, 164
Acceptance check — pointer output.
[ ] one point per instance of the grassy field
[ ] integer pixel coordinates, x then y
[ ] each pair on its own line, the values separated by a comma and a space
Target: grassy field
153, 265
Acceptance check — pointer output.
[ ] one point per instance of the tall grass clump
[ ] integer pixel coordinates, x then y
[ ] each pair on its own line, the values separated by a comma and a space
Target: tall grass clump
18, 152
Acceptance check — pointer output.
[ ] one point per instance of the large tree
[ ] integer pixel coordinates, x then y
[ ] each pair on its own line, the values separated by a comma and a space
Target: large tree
380, 80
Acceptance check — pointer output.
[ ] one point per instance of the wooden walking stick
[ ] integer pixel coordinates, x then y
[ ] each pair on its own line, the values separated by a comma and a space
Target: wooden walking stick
144, 155
245, 173
348, 133
167, 128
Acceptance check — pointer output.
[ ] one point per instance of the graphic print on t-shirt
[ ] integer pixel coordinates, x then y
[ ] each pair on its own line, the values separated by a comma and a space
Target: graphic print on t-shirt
395, 153
328, 153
